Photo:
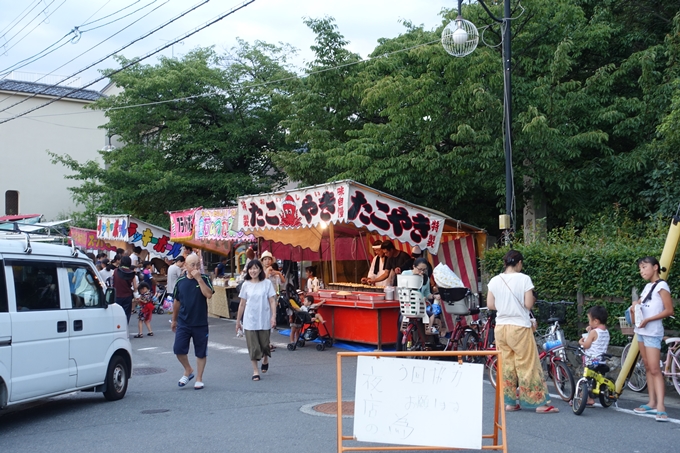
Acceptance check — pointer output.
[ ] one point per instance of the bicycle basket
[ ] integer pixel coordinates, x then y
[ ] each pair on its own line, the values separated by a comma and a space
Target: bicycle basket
544, 311
626, 329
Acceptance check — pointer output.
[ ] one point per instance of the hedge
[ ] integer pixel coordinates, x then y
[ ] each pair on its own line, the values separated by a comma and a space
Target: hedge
599, 261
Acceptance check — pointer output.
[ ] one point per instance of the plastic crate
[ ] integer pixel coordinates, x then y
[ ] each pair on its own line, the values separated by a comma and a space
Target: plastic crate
626, 328
411, 302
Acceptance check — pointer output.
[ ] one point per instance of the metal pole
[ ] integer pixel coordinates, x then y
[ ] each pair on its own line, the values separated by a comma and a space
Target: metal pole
507, 89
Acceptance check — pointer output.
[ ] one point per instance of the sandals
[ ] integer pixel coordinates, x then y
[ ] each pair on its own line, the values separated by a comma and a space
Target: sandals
265, 367
661, 417
548, 410
644, 409
514, 408
198, 385
139, 335
256, 377
150, 334
184, 380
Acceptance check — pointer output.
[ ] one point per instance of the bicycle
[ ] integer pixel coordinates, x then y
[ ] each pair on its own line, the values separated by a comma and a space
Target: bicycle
595, 384
481, 339
552, 354
461, 302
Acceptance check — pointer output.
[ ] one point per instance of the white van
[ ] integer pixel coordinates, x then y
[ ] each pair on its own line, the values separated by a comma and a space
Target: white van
59, 328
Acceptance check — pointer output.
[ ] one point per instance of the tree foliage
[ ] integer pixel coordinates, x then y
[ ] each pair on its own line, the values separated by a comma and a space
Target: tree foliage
596, 102
589, 92
201, 137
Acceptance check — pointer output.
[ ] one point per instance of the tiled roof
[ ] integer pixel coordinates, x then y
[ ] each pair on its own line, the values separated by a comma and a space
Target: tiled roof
45, 89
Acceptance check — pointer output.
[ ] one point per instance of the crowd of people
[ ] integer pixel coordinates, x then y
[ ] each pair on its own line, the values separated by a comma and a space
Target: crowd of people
511, 294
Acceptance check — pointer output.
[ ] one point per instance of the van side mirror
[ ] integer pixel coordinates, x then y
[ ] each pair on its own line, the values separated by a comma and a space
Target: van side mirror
109, 297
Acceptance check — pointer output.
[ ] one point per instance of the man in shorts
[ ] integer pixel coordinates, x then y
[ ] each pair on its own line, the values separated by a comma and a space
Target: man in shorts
190, 319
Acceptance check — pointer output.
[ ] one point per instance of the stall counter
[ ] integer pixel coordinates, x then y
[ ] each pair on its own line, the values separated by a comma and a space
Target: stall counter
218, 304
363, 321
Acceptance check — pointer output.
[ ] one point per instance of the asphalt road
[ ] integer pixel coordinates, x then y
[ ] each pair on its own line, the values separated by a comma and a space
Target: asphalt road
234, 414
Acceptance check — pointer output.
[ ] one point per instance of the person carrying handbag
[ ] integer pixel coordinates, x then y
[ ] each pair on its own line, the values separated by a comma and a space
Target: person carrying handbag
511, 294
654, 305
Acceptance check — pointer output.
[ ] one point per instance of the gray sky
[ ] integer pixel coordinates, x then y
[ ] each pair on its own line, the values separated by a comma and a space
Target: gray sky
361, 22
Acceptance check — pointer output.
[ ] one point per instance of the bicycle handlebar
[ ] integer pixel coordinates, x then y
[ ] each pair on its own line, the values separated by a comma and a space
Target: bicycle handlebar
559, 302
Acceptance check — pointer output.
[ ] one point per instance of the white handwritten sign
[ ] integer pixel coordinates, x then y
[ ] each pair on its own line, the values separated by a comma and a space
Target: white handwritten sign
418, 402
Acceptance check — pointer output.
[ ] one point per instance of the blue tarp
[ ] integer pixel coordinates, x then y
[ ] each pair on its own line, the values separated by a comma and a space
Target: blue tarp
350, 346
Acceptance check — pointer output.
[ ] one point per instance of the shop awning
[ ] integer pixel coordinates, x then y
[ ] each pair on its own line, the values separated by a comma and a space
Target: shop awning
129, 230
299, 217
213, 230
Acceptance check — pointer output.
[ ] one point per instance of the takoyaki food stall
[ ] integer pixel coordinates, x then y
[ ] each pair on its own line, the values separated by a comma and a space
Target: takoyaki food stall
335, 223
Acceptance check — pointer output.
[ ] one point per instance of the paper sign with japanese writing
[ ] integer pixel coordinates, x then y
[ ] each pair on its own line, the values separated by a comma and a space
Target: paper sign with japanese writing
128, 229
219, 225
399, 221
182, 224
295, 209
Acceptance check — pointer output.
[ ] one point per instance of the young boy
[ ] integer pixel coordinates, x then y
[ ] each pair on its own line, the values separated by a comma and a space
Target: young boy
596, 341
145, 304
310, 307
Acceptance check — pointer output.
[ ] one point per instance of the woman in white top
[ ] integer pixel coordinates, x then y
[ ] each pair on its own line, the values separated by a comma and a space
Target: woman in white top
257, 315
656, 304
312, 284
510, 293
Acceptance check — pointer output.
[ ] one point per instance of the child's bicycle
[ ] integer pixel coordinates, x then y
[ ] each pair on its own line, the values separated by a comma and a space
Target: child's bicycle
593, 383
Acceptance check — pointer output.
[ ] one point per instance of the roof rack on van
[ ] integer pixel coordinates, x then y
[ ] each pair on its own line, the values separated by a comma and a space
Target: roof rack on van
28, 249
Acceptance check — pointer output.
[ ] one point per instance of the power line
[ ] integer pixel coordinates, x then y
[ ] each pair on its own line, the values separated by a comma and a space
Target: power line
76, 30
137, 60
257, 85
109, 55
5, 30
94, 13
31, 30
29, 23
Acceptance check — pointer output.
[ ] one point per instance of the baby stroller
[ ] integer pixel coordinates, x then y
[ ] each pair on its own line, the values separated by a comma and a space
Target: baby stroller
158, 298
309, 331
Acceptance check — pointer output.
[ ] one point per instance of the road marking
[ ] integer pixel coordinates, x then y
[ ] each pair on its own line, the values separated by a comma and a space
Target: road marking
626, 411
147, 349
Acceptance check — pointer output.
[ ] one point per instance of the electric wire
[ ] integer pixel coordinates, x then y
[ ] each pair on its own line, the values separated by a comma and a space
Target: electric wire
29, 23
136, 60
32, 29
94, 13
110, 54
42, 53
256, 85
5, 30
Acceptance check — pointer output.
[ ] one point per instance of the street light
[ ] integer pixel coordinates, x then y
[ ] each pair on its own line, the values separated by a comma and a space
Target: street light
460, 38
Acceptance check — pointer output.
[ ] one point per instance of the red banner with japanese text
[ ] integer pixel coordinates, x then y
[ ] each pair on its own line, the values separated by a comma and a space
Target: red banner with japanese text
87, 240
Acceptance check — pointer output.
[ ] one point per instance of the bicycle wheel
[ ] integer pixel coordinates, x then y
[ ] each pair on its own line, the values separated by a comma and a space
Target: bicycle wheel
606, 399
580, 400
563, 379
637, 381
471, 343
675, 370
492, 367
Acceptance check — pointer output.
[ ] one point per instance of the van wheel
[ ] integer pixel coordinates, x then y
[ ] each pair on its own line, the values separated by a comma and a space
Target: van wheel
116, 379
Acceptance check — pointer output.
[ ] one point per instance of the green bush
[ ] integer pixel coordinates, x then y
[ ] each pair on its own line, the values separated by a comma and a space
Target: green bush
598, 261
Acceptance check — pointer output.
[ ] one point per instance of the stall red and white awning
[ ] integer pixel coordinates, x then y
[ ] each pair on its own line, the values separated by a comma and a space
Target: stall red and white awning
298, 217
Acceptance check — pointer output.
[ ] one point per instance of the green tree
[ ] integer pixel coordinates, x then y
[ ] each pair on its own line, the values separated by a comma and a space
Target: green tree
589, 91
196, 131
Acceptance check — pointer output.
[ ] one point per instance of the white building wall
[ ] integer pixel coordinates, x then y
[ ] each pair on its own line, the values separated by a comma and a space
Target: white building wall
61, 128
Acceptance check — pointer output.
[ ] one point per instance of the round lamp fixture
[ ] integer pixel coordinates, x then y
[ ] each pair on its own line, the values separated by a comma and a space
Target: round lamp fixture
460, 37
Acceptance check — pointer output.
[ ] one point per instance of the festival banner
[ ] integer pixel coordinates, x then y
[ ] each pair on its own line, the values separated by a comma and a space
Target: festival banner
182, 224
149, 237
343, 202
395, 219
295, 209
87, 240
219, 225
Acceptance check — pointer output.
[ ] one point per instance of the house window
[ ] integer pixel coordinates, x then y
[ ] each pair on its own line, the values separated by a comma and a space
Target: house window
12, 202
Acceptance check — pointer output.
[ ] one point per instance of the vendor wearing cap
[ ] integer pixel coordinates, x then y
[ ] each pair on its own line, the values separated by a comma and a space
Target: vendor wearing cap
395, 262
377, 266
273, 275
